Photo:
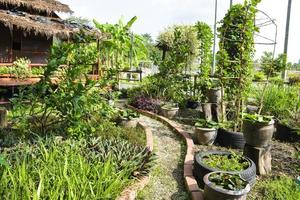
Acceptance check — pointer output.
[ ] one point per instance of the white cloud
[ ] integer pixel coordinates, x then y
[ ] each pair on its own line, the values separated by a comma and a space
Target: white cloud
155, 15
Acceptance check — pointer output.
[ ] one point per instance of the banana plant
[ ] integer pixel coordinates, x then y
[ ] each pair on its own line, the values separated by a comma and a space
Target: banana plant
121, 48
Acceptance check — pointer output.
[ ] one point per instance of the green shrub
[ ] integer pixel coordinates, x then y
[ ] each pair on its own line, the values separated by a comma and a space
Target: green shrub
108, 130
282, 188
5, 70
259, 76
277, 80
294, 79
21, 68
37, 71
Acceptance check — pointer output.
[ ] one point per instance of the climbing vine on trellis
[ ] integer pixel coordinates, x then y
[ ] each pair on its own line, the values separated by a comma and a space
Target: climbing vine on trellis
235, 56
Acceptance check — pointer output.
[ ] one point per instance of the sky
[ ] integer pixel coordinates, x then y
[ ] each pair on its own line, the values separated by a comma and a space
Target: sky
156, 15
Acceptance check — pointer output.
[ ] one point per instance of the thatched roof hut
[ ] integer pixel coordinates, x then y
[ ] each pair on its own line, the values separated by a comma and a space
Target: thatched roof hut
47, 6
27, 28
39, 17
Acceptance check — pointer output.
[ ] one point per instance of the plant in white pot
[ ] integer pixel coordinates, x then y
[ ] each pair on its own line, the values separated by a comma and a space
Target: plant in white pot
170, 110
206, 131
223, 185
128, 118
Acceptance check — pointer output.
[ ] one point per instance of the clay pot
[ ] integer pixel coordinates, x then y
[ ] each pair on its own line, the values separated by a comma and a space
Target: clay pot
258, 134
205, 136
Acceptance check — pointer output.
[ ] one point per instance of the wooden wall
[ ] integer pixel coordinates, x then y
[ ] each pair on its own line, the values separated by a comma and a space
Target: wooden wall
16, 44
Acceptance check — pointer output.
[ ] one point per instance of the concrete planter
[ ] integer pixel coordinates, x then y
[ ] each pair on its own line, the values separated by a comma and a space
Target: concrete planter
169, 112
211, 192
258, 134
129, 123
205, 136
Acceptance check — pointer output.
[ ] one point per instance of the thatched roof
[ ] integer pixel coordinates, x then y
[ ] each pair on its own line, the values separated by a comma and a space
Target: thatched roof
39, 5
47, 26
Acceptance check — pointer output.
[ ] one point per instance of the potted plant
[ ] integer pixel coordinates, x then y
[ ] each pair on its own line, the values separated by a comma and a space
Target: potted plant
211, 161
206, 131
128, 118
258, 130
222, 185
170, 110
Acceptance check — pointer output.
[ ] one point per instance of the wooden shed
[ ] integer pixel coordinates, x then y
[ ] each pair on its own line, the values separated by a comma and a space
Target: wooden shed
28, 27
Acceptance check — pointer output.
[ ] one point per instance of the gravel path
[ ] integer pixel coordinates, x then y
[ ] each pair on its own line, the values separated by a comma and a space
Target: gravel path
166, 180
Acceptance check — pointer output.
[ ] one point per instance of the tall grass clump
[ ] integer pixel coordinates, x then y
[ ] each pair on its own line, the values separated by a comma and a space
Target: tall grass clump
70, 169
280, 101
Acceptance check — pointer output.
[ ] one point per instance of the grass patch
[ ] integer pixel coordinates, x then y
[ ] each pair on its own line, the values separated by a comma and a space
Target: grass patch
279, 188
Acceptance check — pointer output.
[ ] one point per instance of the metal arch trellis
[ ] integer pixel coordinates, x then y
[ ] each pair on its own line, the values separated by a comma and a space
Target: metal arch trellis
266, 20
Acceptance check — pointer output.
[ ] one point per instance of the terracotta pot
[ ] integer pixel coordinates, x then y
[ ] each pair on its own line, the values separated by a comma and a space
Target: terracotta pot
205, 136
169, 112
211, 192
258, 134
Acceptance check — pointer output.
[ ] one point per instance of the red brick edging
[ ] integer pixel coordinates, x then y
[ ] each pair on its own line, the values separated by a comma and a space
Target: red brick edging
190, 181
131, 192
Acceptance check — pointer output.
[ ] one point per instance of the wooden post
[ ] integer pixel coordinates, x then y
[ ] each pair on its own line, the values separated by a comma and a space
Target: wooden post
206, 108
3, 118
261, 156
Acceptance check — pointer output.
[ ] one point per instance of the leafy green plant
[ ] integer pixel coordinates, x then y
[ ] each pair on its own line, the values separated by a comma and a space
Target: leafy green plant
21, 68
257, 118
122, 49
231, 162
70, 169
128, 114
272, 66
228, 181
37, 71
75, 105
235, 56
259, 76
202, 123
5, 70
3, 165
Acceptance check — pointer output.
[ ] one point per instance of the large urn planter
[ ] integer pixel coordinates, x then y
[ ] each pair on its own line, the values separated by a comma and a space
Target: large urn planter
205, 136
205, 131
247, 169
169, 111
226, 138
227, 186
258, 134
